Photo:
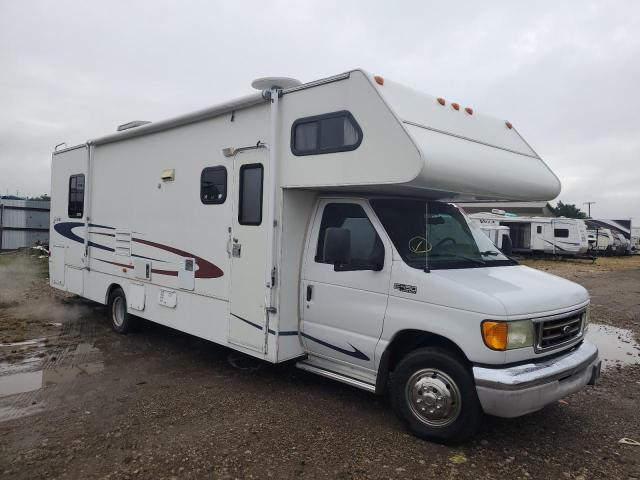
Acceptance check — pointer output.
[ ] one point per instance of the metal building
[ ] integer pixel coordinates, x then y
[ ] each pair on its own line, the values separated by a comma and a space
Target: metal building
23, 223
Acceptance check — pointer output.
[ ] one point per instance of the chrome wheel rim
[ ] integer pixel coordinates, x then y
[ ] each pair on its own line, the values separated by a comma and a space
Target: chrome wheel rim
118, 311
433, 397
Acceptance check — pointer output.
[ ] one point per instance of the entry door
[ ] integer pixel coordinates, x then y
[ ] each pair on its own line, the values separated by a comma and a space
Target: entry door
343, 311
248, 251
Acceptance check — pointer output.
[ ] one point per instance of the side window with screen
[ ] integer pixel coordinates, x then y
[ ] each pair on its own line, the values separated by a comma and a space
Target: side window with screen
75, 206
561, 232
213, 185
539, 229
328, 133
366, 245
250, 208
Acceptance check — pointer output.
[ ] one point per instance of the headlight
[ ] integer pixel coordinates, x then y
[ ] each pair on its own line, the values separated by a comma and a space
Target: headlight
507, 335
585, 320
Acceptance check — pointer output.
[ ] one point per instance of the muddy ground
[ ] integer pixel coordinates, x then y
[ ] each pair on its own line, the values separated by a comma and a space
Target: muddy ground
79, 401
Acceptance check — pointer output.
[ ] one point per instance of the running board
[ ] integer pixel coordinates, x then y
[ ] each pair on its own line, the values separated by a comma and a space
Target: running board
336, 376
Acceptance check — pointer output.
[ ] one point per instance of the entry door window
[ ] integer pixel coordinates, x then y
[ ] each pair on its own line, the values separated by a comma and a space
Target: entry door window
365, 242
250, 208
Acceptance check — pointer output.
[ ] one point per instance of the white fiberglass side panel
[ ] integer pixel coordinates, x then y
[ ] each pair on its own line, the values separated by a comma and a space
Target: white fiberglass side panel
472, 169
386, 155
420, 108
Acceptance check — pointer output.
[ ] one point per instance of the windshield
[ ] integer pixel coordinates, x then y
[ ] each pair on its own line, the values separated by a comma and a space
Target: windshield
440, 229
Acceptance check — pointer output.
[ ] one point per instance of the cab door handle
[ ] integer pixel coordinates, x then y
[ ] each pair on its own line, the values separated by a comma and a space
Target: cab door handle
309, 292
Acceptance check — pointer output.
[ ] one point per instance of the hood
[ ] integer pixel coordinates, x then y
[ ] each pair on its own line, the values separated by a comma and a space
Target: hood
521, 290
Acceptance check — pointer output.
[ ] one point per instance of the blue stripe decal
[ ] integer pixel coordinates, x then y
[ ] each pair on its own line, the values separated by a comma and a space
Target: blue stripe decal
355, 353
101, 226
352, 353
65, 228
101, 247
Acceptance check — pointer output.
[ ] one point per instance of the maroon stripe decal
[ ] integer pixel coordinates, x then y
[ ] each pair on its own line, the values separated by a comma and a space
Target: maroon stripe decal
205, 269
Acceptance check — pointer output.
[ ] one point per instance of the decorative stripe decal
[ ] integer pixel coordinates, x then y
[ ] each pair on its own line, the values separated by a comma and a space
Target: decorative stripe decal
355, 353
205, 268
352, 353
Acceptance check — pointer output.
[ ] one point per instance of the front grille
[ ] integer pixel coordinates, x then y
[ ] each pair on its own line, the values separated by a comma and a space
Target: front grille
558, 330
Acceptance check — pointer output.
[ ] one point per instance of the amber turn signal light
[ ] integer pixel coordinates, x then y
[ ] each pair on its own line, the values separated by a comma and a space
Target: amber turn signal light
379, 80
495, 334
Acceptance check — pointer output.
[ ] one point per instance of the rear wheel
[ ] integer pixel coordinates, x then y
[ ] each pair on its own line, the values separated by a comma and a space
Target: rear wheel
433, 393
121, 320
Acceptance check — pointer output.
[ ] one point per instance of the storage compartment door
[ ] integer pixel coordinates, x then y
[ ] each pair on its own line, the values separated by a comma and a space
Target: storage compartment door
57, 265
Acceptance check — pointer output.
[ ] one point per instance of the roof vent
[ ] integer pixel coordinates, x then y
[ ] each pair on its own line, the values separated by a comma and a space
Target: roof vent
134, 124
277, 83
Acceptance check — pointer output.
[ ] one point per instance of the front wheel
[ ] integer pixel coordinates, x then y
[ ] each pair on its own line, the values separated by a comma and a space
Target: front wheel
433, 393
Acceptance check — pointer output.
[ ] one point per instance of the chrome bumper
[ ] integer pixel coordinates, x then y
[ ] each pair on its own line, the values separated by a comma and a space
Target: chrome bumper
514, 391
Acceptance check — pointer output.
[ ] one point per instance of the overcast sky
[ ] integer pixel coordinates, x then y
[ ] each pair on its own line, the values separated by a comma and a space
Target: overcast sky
566, 74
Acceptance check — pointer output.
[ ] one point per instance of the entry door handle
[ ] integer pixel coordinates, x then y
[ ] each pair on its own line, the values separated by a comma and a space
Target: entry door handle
309, 292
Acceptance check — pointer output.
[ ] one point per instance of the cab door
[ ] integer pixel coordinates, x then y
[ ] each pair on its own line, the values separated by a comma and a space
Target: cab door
344, 307
247, 320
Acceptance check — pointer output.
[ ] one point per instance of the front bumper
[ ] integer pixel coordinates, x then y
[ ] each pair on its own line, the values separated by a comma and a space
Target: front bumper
514, 391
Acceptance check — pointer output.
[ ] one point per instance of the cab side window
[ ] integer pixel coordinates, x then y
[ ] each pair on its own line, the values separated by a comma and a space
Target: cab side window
366, 245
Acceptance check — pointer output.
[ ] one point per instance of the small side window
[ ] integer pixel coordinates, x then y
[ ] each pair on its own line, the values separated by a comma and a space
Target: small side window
561, 233
328, 133
75, 206
250, 208
539, 229
213, 185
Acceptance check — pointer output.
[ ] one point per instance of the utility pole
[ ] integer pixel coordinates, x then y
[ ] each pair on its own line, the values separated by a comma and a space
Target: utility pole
588, 204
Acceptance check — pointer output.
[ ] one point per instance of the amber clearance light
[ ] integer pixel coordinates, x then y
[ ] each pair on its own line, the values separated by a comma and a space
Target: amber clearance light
495, 334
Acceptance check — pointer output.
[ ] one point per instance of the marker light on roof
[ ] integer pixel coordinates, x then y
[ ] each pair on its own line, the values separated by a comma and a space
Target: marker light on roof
441, 101
379, 80
455, 106
469, 110
508, 124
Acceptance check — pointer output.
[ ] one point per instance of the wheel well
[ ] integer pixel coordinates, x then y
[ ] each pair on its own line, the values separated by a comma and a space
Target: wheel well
407, 341
111, 288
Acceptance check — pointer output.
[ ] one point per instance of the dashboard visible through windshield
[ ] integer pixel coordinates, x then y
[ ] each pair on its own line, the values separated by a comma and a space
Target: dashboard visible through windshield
437, 232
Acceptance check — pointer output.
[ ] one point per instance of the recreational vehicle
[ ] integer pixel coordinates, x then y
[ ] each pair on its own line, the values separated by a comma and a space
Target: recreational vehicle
547, 235
604, 240
313, 224
499, 235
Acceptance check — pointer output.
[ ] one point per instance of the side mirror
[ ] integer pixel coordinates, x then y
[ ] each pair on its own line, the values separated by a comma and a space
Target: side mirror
337, 246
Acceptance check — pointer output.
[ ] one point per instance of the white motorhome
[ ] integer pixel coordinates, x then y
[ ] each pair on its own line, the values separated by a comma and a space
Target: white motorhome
548, 235
310, 223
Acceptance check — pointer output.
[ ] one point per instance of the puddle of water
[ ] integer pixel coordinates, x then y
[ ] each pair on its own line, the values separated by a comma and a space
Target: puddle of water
30, 381
20, 376
24, 343
20, 383
617, 346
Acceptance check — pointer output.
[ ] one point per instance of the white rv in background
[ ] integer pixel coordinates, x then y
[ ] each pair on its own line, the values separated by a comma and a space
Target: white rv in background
311, 223
604, 240
554, 236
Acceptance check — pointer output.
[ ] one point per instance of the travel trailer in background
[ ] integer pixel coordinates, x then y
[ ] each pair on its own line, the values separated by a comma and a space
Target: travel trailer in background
499, 235
554, 236
312, 223
614, 236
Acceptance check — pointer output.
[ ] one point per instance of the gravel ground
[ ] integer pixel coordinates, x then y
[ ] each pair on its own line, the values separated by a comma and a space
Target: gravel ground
162, 404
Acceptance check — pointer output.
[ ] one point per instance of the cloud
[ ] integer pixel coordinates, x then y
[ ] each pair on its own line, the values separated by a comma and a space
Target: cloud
565, 73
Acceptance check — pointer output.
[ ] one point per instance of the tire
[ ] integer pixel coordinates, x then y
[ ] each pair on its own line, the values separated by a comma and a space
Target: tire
439, 381
121, 320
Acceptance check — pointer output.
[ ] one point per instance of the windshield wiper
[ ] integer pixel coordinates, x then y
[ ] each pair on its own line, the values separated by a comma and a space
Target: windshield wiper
477, 261
490, 253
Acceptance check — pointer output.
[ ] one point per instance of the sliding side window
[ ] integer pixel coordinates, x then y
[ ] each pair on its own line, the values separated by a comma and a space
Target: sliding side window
328, 133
